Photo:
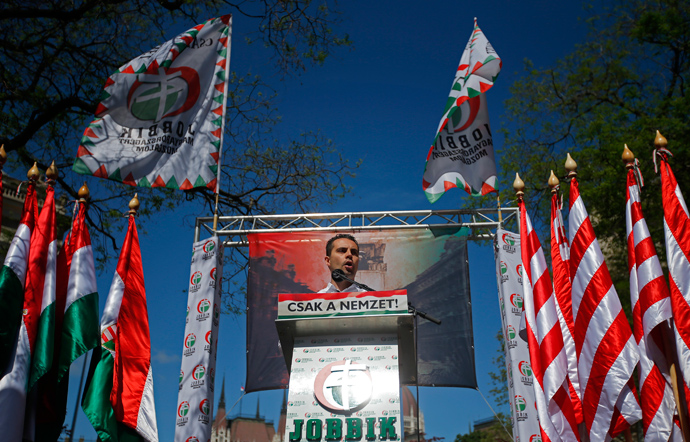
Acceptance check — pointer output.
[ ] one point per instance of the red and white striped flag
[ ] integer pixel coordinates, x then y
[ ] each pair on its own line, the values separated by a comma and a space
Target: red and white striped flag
560, 259
606, 349
545, 339
676, 228
651, 306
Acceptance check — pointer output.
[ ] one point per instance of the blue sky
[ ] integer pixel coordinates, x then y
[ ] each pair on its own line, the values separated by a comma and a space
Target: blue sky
381, 102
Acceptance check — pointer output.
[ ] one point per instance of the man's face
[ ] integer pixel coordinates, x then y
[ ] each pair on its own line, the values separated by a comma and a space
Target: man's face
344, 256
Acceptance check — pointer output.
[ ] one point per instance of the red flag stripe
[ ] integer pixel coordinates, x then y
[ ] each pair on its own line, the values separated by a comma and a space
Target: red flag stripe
545, 340
606, 349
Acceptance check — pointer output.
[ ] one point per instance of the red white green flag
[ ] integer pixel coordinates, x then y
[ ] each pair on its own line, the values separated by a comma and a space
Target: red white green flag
462, 153
12, 278
160, 118
118, 397
31, 354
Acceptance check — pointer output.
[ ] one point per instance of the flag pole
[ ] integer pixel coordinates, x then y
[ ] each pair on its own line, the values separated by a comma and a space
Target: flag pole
222, 123
667, 332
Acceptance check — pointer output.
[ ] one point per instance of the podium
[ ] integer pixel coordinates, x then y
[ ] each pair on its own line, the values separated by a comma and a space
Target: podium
347, 354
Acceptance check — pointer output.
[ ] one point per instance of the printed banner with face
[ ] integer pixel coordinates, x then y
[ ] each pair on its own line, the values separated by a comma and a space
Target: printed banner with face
431, 264
520, 378
197, 372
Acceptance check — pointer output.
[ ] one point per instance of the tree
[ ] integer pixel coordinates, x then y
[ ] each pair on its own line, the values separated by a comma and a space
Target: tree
56, 55
620, 85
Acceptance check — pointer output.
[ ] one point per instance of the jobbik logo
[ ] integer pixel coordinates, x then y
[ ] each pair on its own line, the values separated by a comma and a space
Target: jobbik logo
208, 346
508, 243
520, 408
208, 249
205, 411
535, 438
203, 309
516, 304
182, 413
525, 373
189, 342
518, 270
511, 334
212, 282
343, 387
195, 281
198, 376
503, 269
181, 378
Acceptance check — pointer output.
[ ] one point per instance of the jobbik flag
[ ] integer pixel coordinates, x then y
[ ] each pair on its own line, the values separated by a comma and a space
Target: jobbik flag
520, 377
462, 153
194, 412
159, 121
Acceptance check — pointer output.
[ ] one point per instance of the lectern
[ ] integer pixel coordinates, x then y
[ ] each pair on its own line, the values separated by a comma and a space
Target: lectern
347, 354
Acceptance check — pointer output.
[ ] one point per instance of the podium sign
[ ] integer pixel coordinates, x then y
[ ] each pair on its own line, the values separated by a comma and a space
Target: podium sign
343, 355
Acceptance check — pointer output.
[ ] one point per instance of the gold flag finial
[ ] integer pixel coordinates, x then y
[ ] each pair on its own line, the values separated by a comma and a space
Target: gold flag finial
570, 166
519, 186
33, 173
134, 204
628, 157
553, 182
3, 156
52, 171
660, 141
84, 193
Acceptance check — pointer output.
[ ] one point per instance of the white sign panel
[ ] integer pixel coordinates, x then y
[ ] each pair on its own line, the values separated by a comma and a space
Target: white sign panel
318, 305
344, 388
194, 413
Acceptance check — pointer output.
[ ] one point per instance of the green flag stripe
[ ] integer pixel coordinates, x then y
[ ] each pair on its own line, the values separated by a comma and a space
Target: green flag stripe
80, 331
42, 358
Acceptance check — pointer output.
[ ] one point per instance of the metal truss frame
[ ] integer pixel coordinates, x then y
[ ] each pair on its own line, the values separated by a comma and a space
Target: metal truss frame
234, 229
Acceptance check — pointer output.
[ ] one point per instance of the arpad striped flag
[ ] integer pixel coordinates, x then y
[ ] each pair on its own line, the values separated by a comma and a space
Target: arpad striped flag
651, 305
545, 339
118, 398
560, 259
606, 349
12, 280
677, 233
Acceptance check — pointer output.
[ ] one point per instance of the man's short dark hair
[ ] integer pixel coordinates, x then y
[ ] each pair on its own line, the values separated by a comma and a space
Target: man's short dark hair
329, 244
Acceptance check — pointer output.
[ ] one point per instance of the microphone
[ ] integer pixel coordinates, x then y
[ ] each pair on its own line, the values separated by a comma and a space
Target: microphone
338, 275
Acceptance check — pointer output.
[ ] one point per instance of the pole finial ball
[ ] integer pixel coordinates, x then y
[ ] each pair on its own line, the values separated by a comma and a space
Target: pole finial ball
518, 184
553, 180
134, 204
52, 172
570, 164
84, 192
628, 157
33, 173
660, 141
3, 155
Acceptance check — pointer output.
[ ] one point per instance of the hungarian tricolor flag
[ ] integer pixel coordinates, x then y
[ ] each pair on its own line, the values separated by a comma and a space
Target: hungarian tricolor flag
12, 278
118, 398
34, 349
462, 153
160, 118
76, 325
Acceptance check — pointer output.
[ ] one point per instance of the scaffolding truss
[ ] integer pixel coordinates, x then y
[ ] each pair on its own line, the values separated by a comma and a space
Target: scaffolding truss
234, 229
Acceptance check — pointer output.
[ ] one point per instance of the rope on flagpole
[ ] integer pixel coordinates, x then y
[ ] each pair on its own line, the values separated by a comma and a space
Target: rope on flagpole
495, 415
222, 122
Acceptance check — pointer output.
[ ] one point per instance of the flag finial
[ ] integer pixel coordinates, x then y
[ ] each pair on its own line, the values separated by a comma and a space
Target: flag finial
3, 156
553, 182
52, 171
519, 186
628, 157
571, 166
84, 193
33, 173
134, 205
660, 141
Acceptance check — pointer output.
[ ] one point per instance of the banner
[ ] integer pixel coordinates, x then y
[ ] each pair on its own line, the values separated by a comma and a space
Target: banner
431, 264
320, 305
195, 399
462, 154
159, 121
520, 378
